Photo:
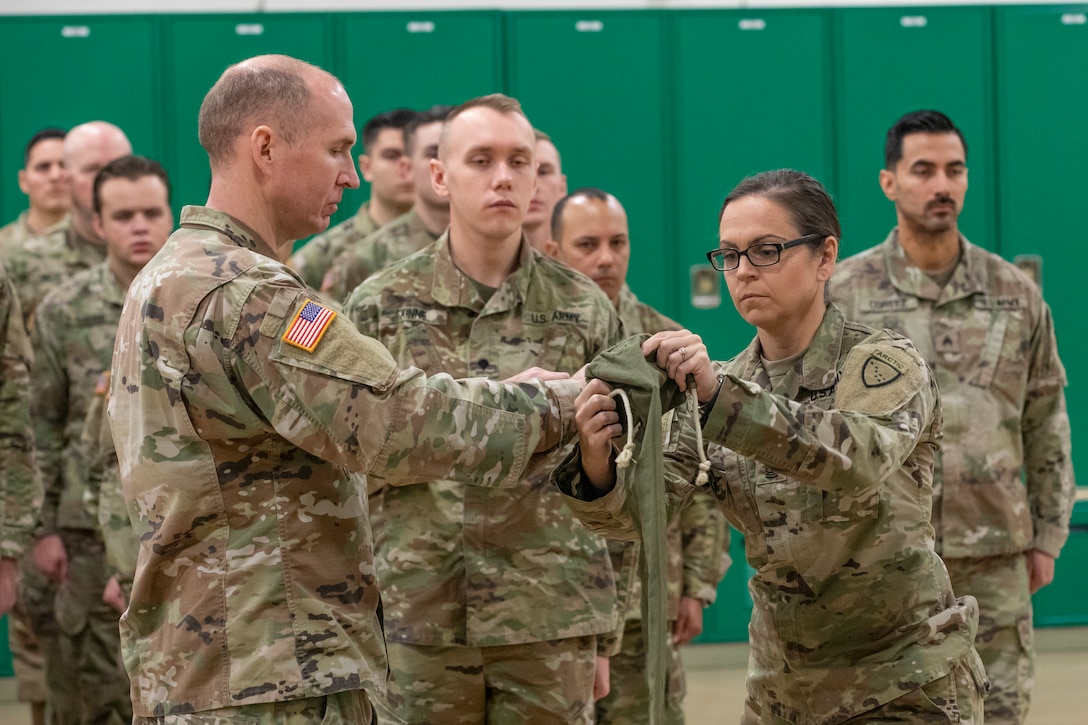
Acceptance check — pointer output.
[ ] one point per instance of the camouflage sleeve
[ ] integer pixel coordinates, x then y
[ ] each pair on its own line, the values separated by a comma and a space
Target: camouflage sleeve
20, 488
49, 407
705, 542
346, 401
313, 260
604, 513
1048, 458
103, 496
885, 400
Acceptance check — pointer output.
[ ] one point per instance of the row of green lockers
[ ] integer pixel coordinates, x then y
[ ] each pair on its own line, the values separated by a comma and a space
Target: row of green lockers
667, 109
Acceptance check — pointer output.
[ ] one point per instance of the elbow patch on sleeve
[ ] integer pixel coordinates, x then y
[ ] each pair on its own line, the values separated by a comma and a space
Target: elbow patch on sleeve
878, 379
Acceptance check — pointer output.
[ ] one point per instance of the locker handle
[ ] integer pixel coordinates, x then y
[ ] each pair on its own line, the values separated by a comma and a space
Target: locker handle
1074, 19
420, 26
249, 29
913, 21
75, 31
589, 26
752, 24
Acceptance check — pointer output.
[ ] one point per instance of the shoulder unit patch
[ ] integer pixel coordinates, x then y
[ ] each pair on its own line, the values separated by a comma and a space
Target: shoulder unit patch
880, 369
309, 325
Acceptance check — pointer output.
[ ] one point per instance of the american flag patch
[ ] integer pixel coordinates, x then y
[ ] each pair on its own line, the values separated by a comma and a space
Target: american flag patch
309, 325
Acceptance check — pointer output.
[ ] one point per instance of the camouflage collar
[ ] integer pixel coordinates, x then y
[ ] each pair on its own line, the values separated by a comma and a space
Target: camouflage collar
967, 278
91, 251
814, 370
112, 293
453, 288
194, 217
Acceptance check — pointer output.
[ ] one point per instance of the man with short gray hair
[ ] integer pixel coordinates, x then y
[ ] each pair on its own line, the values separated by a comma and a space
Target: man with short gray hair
245, 411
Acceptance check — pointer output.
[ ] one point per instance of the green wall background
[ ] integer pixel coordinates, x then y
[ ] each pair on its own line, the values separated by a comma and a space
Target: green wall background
667, 109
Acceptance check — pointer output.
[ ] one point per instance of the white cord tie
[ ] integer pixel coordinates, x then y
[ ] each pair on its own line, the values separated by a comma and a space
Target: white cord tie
623, 458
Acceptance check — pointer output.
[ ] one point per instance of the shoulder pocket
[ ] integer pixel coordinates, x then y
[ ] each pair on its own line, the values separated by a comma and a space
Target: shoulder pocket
340, 351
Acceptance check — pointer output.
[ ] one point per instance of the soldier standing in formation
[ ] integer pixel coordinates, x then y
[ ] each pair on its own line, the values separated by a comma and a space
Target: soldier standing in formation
1004, 480
493, 599
73, 336
45, 184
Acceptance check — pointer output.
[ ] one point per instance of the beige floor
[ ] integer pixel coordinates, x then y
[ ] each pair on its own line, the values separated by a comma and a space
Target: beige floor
716, 682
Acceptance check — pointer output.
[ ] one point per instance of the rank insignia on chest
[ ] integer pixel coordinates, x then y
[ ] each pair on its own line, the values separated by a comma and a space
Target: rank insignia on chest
309, 325
880, 370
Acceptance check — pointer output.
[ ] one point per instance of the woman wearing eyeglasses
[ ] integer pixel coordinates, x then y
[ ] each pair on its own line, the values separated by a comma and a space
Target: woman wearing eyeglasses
821, 436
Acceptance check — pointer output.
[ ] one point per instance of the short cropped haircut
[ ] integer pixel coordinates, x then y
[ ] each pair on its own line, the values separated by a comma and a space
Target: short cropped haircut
434, 114
274, 91
398, 119
541, 136
588, 192
804, 198
495, 101
44, 135
129, 167
917, 122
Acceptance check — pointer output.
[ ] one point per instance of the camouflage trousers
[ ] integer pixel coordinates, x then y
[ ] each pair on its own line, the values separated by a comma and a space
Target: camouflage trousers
1005, 638
81, 645
543, 683
343, 708
954, 698
26, 652
628, 700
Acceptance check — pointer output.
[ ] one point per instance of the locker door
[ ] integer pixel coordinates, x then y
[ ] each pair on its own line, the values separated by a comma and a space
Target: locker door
1042, 103
416, 60
594, 81
63, 71
752, 93
892, 61
196, 52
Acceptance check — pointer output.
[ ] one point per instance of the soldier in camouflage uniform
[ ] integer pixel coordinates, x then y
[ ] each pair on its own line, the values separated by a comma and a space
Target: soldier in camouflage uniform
551, 186
492, 601
589, 233
45, 261
1004, 481
384, 166
36, 267
245, 413
20, 492
45, 183
822, 438
74, 334
408, 233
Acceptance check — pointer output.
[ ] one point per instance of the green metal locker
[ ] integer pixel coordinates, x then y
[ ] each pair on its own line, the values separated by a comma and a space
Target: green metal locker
1062, 604
594, 81
1042, 103
752, 92
895, 60
63, 71
196, 51
416, 60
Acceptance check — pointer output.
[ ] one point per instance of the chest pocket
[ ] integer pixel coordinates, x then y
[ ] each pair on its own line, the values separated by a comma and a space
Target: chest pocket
1002, 360
551, 339
414, 335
